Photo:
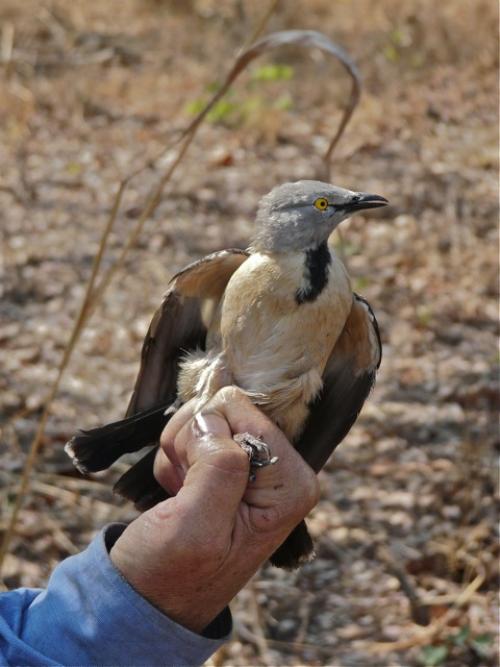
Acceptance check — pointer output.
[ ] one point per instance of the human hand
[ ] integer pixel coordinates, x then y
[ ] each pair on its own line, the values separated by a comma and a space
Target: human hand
190, 554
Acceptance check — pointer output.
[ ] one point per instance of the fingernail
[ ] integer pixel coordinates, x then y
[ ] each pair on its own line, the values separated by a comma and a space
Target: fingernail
210, 424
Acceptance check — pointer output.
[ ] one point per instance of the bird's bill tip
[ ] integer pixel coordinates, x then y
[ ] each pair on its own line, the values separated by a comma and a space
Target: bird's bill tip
364, 201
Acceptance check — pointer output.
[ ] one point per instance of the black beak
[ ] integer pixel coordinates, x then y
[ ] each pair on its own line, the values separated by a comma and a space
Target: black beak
362, 201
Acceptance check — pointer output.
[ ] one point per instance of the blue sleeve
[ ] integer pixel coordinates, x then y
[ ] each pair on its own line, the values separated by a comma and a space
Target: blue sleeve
90, 615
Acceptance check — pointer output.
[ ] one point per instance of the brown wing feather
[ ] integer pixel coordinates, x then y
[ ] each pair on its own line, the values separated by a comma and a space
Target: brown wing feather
180, 324
347, 380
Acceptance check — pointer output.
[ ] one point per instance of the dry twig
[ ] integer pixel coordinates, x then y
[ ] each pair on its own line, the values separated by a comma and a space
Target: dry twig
426, 636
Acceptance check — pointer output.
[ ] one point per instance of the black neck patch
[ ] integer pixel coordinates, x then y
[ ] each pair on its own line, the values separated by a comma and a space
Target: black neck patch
316, 267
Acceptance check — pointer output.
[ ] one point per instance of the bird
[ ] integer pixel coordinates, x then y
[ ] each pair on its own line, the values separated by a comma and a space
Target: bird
280, 321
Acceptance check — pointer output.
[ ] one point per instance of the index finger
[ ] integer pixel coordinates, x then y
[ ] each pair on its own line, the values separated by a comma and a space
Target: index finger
243, 416
291, 482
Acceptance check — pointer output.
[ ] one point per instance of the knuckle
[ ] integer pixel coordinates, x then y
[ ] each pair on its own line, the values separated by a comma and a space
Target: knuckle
306, 494
232, 394
159, 467
229, 459
311, 490
267, 519
165, 438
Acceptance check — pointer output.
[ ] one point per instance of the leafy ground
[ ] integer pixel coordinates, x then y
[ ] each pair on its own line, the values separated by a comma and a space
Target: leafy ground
407, 565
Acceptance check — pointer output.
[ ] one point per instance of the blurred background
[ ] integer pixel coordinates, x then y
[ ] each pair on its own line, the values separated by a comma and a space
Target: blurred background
407, 552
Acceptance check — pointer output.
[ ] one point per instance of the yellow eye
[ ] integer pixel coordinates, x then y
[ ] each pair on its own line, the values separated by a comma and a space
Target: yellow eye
321, 204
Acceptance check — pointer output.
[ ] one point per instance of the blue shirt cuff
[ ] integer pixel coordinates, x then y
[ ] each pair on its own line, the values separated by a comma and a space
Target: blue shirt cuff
90, 615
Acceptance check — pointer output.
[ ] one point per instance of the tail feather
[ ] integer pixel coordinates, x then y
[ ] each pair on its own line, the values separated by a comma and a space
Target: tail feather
297, 549
98, 448
139, 485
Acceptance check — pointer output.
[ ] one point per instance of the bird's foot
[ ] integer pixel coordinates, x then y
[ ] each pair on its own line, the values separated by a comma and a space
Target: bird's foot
258, 452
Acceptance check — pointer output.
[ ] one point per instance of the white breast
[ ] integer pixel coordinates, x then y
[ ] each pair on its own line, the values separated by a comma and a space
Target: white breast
267, 337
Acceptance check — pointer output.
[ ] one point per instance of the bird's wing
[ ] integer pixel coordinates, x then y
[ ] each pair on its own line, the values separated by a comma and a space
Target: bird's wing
347, 380
181, 324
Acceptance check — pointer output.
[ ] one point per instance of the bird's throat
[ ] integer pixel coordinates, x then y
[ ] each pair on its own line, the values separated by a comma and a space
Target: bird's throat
315, 275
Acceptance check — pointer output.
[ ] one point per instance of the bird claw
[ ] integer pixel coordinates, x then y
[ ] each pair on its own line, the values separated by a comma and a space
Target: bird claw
257, 451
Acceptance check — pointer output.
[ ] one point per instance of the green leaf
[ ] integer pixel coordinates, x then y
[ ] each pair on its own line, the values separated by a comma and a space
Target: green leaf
283, 103
347, 249
194, 108
221, 111
424, 315
252, 104
74, 168
391, 53
432, 656
360, 283
213, 87
461, 637
273, 73
482, 644
397, 36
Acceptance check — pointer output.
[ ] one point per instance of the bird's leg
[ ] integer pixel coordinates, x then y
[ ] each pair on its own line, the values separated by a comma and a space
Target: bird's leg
257, 451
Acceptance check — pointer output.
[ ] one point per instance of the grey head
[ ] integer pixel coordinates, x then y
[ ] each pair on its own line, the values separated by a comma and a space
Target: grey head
301, 215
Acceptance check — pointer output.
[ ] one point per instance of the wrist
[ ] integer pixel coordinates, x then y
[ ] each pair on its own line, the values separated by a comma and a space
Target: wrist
181, 582
190, 610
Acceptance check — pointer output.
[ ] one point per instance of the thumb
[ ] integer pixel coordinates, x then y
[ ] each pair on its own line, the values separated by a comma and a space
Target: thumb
217, 468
